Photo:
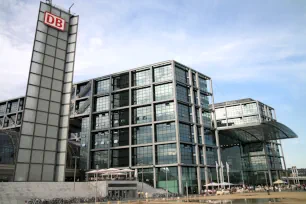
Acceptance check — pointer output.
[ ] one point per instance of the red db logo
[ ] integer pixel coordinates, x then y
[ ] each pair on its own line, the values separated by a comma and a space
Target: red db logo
54, 21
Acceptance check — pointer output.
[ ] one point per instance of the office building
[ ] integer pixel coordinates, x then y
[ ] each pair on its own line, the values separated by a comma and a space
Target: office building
159, 119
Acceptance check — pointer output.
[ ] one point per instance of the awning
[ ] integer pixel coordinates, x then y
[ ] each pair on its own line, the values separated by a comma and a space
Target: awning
255, 132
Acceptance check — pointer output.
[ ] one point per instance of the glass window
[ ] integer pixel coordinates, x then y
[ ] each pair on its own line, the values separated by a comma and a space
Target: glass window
121, 81
102, 103
250, 119
163, 73
142, 115
209, 137
203, 84
189, 176
7, 152
201, 159
84, 135
141, 78
205, 101
235, 121
182, 93
195, 96
170, 181
142, 96
101, 121
163, 92
165, 132
142, 135
120, 157
194, 80
2, 109
121, 99
206, 117
211, 155
147, 174
249, 109
220, 113
234, 111
186, 133
166, 154
120, 118
188, 155
199, 135
184, 113
120, 137
164, 111
99, 159
181, 75
142, 156
102, 86
100, 140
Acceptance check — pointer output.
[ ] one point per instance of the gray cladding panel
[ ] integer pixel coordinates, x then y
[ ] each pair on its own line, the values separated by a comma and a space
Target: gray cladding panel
39, 143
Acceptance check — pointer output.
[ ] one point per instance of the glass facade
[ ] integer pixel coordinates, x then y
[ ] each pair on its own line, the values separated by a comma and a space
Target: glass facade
164, 111
166, 154
142, 135
142, 156
165, 132
163, 92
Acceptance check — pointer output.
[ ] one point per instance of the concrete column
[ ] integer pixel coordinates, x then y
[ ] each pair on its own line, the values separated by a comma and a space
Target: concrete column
195, 131
153, 129
130, 119
110, 122
177, 130
89, 138
216, 129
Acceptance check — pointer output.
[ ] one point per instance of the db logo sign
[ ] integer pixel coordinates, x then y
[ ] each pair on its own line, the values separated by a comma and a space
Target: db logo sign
54, 21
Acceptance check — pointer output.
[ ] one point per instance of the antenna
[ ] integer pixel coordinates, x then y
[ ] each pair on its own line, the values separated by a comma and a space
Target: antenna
70, 7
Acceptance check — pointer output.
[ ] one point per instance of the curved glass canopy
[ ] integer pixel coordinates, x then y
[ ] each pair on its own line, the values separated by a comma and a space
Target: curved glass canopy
255, 132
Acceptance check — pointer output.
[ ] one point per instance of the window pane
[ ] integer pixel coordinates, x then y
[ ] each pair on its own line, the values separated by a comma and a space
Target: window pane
142, 135
163, 92
166, 154
164, 111
163, 73
165, 132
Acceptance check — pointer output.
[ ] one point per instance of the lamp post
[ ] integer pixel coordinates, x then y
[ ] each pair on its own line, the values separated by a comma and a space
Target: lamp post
74, 175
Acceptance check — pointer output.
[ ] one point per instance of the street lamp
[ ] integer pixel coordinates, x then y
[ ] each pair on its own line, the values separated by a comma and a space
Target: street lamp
74, 175
166, 170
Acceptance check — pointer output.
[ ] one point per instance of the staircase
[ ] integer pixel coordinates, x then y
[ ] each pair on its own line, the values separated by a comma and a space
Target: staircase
149, 189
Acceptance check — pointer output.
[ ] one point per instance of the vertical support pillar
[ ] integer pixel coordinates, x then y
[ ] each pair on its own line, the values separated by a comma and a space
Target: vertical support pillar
89, 138
195, 131
216, 129
130, 119
153, 127
110, 122
177, 130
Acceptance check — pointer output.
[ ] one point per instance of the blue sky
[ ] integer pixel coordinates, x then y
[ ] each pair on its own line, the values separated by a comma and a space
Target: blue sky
250, 48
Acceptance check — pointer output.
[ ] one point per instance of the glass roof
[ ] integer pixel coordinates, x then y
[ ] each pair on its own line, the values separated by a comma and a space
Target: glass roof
256, 132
